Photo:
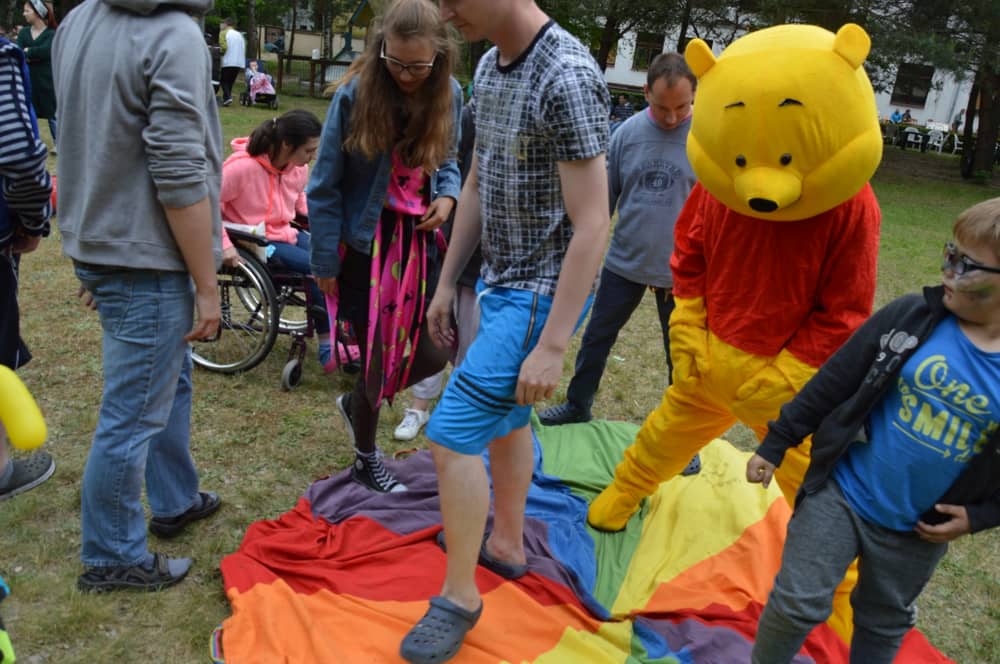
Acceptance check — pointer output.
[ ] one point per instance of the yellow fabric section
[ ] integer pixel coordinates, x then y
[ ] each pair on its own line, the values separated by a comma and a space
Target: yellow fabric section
610, 644
685, 523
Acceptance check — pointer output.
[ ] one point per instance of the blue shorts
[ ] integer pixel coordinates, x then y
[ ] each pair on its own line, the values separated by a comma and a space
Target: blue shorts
478, 406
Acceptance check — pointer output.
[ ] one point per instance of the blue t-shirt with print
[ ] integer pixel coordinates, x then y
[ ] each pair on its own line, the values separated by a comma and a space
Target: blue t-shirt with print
941, 411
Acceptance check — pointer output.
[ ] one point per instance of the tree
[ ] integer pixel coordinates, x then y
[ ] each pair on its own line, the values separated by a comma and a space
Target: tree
602, 23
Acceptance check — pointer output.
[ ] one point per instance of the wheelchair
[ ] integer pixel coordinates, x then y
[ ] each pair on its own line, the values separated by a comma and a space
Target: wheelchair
259, 301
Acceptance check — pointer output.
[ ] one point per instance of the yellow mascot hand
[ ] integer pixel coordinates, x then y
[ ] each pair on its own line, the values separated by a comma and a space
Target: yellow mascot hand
689, 339
778, 382
19, 412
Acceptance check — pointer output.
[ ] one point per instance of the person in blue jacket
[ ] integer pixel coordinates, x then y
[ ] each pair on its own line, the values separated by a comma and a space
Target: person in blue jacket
385, 179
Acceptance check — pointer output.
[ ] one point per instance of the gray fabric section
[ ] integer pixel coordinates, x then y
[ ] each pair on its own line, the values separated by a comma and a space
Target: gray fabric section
649, 179
824, 536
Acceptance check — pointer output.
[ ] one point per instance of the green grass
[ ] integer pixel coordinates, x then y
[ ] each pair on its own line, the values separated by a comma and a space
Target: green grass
260, 448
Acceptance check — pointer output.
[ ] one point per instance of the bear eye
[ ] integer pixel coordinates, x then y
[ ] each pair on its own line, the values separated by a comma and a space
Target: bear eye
786, 159
741, 161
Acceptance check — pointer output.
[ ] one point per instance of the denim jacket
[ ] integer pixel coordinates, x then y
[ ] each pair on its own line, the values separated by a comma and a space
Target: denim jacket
346, 191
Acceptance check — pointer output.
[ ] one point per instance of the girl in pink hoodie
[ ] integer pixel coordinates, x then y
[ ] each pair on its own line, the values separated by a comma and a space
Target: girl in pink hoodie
265, 180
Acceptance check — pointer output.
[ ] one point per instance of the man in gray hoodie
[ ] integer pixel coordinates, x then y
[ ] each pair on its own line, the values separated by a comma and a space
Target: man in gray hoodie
139, 172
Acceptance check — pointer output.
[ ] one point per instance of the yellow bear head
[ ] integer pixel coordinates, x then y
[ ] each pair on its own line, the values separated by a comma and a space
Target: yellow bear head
785, 125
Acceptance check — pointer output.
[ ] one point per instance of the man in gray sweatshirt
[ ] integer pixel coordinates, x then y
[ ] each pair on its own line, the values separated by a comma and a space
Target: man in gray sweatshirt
139, 172
649, 179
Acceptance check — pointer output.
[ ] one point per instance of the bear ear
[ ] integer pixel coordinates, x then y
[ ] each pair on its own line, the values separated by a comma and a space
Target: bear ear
699, 57
852, 43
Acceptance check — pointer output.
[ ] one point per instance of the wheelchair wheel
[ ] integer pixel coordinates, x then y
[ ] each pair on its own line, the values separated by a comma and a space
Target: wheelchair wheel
291, 375
249, 323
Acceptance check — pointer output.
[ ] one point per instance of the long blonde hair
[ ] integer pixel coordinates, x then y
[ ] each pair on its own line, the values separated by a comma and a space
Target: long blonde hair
419, 126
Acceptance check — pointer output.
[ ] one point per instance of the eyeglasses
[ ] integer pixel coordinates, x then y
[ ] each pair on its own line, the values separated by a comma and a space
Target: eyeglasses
415, 69
960, 264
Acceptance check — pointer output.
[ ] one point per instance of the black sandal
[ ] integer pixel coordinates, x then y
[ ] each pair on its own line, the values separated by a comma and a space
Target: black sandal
135, 577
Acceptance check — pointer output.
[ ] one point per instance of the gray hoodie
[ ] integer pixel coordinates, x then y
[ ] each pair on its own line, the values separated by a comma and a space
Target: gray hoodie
138, 130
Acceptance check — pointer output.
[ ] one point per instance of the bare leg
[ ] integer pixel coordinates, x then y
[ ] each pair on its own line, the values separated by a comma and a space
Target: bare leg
465, 500
511, 461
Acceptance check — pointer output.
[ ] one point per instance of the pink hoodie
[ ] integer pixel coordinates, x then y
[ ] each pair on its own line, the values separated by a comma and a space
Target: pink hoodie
253, 191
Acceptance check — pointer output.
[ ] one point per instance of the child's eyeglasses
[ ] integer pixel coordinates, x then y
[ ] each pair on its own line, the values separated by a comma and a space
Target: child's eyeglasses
960, 264
415, 69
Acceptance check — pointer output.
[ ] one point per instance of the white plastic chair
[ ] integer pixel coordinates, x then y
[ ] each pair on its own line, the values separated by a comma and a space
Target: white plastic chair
935, 140
957, 145
913, 137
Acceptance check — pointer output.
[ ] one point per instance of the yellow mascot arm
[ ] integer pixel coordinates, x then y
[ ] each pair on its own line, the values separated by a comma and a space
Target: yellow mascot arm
19, 412
688, 338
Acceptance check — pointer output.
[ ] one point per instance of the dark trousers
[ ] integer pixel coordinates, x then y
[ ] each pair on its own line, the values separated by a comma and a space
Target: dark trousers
616, 299
229, 75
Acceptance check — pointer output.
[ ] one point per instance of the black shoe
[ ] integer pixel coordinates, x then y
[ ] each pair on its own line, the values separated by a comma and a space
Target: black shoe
227, 102
167, 527
693, 467
564, 413
369, 471
28, 473
164, 573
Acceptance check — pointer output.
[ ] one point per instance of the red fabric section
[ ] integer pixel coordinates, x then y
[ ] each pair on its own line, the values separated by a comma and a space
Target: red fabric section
802, 285
358, 557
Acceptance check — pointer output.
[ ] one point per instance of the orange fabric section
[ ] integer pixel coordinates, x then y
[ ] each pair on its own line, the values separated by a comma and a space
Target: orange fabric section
741, 574
273, 623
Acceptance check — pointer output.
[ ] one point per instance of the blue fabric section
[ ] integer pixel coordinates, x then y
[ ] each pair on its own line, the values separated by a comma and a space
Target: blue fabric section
565, 516
941, 411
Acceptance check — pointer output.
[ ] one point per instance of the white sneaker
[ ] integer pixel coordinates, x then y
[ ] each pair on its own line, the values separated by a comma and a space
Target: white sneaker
413, 421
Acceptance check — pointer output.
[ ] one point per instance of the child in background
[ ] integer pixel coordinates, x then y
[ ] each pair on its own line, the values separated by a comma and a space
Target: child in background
905, 448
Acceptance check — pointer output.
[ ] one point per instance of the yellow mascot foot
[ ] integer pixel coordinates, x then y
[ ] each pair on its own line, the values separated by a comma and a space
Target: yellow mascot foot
611, 510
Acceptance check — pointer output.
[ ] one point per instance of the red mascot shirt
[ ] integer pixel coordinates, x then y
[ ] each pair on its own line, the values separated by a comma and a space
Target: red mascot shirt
802, 285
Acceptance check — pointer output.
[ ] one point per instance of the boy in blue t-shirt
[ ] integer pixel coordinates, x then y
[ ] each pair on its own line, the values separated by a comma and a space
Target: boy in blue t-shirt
905, 455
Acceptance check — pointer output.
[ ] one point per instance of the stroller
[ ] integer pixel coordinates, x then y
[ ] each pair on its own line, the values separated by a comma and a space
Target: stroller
260, 87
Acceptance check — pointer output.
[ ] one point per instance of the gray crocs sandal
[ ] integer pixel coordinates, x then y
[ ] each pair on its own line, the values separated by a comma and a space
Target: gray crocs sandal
438, 636
509, 571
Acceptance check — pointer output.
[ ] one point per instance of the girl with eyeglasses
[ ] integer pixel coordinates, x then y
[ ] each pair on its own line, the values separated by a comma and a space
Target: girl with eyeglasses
385, 179
905, 420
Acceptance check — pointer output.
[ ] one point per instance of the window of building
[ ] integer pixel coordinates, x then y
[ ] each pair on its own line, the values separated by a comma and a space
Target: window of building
648, 45
913, 82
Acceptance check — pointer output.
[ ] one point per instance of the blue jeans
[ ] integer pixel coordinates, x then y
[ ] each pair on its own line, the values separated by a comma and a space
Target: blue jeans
144, 424
295, 257
614, 303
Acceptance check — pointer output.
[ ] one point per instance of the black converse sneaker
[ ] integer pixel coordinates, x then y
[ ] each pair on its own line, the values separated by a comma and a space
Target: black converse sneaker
369, 470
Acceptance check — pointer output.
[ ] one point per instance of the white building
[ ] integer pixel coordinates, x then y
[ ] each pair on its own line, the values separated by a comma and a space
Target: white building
930, 95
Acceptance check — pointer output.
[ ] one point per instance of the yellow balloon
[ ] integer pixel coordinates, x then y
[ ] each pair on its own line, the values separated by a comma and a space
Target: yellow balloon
19, 412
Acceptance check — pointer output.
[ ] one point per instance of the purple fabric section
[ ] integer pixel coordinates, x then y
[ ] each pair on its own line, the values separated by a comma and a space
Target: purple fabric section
694, 641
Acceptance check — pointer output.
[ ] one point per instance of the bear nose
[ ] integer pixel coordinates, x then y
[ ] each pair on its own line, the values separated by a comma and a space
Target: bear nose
763, 205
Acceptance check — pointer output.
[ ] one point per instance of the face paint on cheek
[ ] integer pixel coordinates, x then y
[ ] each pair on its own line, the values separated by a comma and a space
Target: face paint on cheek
976, 291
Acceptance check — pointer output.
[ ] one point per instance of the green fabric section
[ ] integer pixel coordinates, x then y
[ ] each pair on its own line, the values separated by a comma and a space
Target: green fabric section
585, 456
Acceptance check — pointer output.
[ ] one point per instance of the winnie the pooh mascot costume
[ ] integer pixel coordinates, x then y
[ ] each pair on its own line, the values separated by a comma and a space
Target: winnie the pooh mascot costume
775, 250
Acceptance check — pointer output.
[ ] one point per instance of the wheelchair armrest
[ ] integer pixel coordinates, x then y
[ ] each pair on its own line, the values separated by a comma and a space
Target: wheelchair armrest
236, 234
301, 222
